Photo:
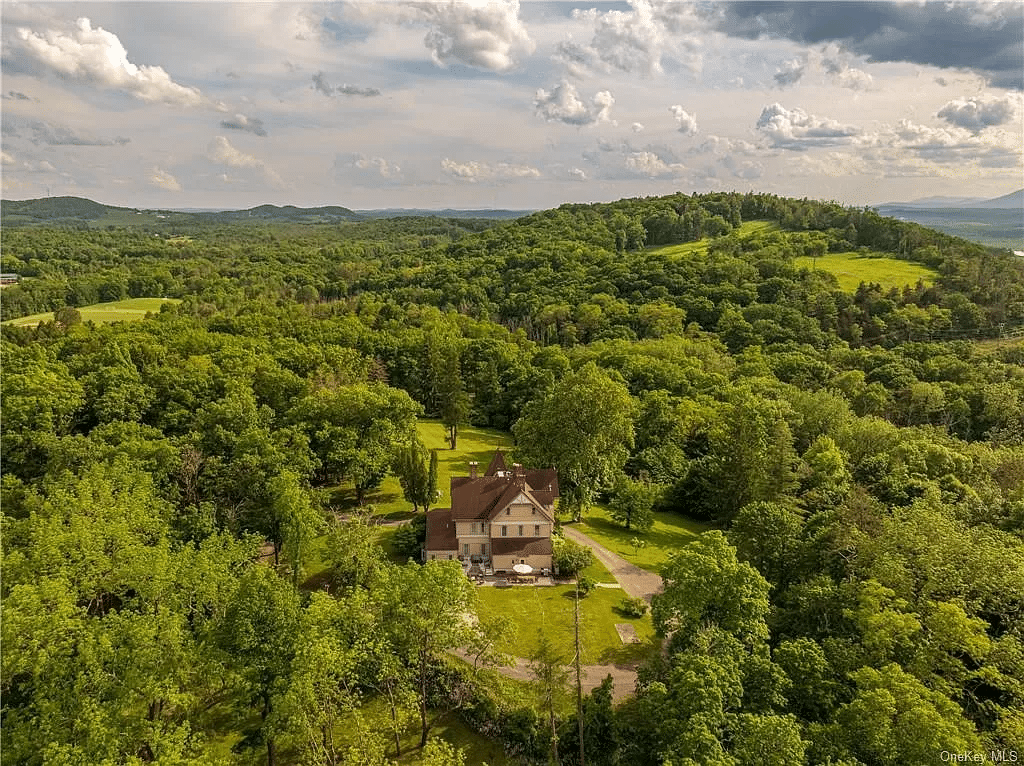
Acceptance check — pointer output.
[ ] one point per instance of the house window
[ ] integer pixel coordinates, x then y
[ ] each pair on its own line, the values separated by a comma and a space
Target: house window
449, 557
474, 527
483, 549
504, 531
465, 548
536, 530
508, 511
520, 530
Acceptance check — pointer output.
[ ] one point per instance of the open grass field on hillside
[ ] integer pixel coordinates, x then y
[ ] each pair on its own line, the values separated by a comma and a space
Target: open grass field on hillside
473, 444
669, 533
700, 247
852, 268
550, 610
127, 310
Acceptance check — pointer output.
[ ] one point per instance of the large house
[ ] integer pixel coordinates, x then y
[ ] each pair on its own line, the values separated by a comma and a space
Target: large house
497, 520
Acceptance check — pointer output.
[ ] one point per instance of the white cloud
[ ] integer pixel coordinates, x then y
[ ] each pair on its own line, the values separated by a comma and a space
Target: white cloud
474, 171
96, 56
221, 150
633, 40
164, 180
6, 159
855, 79
320, 84
377, 165
247, 124
650, 165
791, 72
563, 104
486, 34
577, 174
797, 130
638, 127
977, 113
687, 122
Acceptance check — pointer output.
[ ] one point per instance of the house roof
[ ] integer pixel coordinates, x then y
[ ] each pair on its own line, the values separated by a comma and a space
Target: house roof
524, 546
441, 530
497, 463
485, 496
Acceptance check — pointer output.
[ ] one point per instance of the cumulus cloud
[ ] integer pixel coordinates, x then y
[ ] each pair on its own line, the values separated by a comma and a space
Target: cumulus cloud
59, 135
977, 113
577, 174
6, 159
486, 34
247, 124
321, 85
633, 41
164, 180
797, 130
474, 171
97, 57
650, 165
377, 166
855, 79
984, 37
563, 104
638, 127
687, 122
221, 150
791, 72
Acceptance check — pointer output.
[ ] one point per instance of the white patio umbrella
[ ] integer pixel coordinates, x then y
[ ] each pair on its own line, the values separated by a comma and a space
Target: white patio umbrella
523, 569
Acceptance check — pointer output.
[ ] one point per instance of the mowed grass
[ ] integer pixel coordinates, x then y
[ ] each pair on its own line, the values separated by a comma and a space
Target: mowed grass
852, 268
670, 533
476, 444
128, 310
550, 611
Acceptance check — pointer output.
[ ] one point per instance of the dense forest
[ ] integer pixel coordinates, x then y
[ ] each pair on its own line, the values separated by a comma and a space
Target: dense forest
859, 455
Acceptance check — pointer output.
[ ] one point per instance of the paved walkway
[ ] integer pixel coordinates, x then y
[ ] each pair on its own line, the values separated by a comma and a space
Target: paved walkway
634, 580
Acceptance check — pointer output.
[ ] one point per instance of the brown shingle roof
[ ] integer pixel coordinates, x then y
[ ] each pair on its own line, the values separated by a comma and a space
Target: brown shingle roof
521, 546
441, 530
497, 463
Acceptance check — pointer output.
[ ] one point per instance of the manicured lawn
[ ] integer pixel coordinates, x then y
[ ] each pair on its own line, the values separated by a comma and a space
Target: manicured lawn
473, 444
669, 533
852, 268
116, 311
550, 609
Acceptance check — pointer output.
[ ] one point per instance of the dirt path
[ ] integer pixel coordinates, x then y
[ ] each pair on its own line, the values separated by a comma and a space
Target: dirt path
634, 580
623, 676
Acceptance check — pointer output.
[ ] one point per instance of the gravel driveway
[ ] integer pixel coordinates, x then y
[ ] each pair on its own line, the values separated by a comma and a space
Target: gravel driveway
634, 580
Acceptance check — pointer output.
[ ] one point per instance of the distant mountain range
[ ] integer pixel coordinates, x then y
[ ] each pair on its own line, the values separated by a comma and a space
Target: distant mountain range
71, 210
1011, 201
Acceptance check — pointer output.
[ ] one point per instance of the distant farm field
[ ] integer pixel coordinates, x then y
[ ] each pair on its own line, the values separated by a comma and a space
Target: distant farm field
117, 311
852, 268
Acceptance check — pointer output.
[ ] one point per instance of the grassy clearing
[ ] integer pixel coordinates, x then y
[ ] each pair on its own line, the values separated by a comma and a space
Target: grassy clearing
669, 533
852, 268
127, 310
550, 609
747, 230
474, 444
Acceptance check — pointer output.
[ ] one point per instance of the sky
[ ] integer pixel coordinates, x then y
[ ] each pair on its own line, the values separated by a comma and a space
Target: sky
508, 104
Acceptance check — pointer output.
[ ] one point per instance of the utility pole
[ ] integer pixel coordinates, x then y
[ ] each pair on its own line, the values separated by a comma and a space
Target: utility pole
579, 675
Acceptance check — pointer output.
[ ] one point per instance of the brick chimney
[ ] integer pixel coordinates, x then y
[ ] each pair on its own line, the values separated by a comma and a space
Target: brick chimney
519, 475
472, 469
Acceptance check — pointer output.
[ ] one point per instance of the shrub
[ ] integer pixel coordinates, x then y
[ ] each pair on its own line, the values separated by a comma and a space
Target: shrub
571, 557
584, 584
633, 607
